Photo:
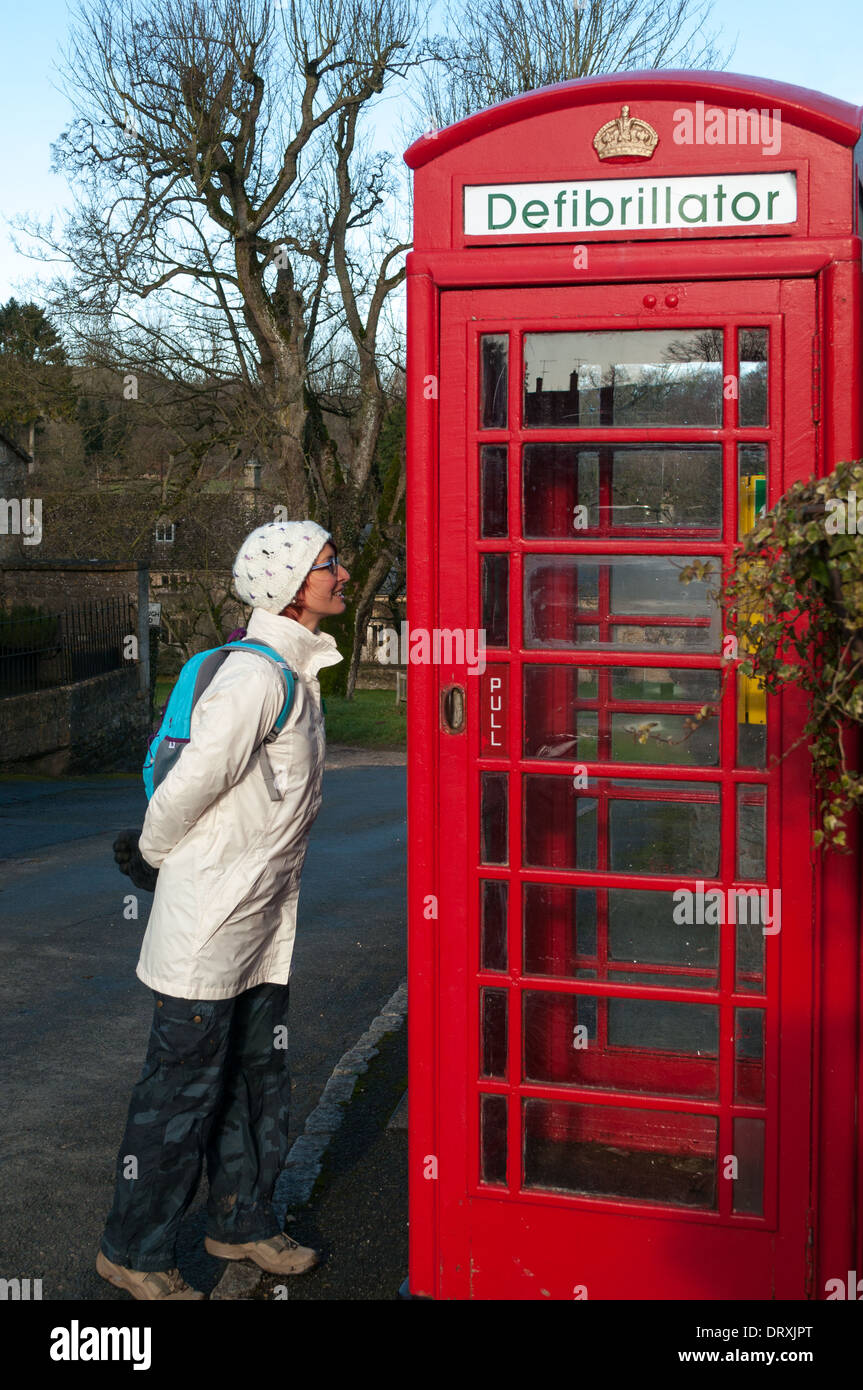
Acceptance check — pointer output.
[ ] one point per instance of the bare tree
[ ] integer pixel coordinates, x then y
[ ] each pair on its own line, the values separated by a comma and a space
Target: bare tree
237, 235
495, 49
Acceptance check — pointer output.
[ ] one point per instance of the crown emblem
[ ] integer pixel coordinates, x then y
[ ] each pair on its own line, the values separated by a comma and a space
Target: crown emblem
626, 136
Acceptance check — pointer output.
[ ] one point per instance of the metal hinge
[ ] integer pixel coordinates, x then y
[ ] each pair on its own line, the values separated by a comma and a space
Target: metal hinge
810, 1254
816, 378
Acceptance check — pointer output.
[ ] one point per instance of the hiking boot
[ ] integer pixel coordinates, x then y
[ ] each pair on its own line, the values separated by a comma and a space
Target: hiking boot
277, 1254
166, 1284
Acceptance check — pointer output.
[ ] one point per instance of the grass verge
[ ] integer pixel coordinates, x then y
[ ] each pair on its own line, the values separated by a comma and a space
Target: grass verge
372, 719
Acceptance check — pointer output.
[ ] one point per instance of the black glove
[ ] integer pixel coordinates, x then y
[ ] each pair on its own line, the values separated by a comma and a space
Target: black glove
131, 861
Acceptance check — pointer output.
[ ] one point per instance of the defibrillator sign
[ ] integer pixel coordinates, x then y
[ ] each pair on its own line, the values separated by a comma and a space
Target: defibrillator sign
720, 200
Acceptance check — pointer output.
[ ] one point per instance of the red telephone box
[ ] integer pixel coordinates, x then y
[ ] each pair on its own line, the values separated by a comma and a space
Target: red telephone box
634, 316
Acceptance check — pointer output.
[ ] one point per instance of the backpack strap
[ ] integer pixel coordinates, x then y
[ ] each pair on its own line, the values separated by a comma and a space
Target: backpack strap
289, 678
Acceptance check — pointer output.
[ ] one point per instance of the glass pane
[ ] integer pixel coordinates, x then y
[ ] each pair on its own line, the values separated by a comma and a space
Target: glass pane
551, 694
551, 725
559, 928
689, 736
568, 713
749, 1152
749, 1055
674, 830
494, 375
751, 832
751, 722
570, 489
610, 1151
645, 930
621, 603
618, 976
493, 915
649, 377
661, 685
632, 637
752, 351
494, 818
664, 738
650, 928
558, 1029
493, 491
494, 1032
492, 1130
559, 824
645, 1045
495, 599
661, 1025
749, 969
751, 486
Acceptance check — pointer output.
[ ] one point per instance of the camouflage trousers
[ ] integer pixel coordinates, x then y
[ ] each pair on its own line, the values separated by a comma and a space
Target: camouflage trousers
215, 1087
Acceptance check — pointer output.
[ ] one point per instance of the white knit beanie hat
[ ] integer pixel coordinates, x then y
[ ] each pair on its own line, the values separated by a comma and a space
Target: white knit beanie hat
274, 560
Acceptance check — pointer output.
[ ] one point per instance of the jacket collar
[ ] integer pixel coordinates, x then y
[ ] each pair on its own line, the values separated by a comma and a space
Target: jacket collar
307, 652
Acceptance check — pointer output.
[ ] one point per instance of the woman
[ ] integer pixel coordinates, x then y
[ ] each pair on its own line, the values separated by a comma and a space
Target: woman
219, 941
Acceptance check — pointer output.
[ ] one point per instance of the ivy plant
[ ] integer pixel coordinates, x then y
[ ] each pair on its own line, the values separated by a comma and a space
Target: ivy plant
794, 601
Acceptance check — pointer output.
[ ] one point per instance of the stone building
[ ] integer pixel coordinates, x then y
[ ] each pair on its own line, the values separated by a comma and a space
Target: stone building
17, 513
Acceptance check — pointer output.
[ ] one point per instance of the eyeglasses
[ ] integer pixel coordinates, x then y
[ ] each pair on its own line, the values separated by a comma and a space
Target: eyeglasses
332, 565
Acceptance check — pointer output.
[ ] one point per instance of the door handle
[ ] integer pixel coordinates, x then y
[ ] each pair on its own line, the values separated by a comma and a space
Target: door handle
452, 708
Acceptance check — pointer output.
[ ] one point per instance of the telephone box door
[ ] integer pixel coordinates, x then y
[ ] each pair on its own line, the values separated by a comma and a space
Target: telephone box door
626, 892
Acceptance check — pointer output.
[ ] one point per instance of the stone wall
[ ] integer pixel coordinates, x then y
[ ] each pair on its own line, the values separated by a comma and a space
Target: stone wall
373, 675
98, 725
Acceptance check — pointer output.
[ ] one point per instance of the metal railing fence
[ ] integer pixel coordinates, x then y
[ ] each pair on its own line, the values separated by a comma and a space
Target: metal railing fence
41, 650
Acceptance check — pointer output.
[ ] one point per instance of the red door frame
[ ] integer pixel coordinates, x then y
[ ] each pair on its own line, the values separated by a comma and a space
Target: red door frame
834, 1091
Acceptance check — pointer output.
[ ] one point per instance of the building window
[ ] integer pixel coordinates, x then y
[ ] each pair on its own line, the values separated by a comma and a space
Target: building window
165, 531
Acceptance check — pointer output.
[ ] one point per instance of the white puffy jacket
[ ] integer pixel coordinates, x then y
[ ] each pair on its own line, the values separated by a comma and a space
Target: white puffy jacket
229, 857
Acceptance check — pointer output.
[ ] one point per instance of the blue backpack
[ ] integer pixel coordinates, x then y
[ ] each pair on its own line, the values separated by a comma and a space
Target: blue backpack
173, 734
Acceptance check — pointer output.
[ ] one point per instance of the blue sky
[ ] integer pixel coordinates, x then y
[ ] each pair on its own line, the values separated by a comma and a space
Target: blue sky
818, 46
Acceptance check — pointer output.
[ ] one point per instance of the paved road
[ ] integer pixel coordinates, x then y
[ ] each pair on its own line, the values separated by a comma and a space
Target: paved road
75, 1018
